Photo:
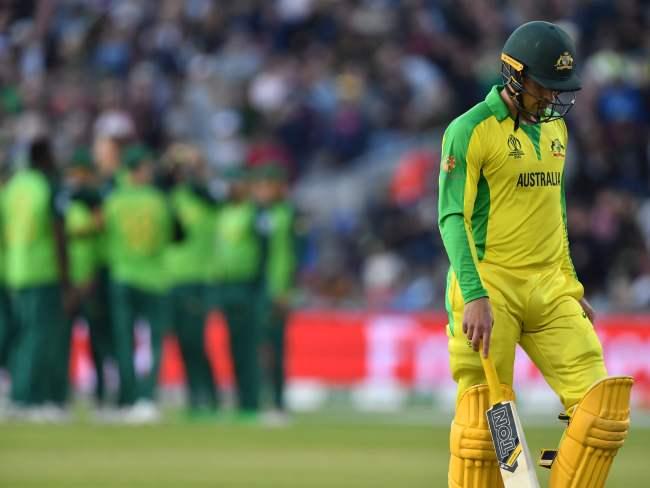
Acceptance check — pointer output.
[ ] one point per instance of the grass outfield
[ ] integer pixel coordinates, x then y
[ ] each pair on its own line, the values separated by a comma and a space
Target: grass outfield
315, 451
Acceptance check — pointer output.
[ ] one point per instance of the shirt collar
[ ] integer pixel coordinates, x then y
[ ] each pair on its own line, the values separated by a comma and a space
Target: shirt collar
496, 103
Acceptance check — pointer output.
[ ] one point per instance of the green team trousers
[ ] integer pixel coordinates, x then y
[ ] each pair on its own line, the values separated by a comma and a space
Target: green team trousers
239, 304
273, 351
188, 315
7, 328
96, 310
41, 350
127, 305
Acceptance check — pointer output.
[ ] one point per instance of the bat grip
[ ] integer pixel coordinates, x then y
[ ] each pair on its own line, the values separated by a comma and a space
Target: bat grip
492, 377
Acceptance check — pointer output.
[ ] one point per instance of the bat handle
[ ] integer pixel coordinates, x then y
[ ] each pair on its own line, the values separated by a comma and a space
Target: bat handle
492, 379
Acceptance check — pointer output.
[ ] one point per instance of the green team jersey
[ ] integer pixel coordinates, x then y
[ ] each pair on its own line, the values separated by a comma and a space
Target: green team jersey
281, 249
501, 195
138, 230
186, 261
119, 180
237, 248
83, 242
28, 216
2, 242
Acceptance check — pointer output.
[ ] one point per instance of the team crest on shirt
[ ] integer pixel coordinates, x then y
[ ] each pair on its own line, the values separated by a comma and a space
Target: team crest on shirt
449, 164
557, 148
515, 147
565, 61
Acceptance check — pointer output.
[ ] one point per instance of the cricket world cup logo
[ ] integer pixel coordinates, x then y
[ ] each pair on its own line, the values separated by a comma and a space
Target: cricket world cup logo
504, 435
515, 147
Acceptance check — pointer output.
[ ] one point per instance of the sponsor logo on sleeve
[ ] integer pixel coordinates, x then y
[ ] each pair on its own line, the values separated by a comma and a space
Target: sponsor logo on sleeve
449, 164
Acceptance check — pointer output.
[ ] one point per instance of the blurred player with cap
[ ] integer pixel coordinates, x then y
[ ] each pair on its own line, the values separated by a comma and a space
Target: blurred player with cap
84, 231
138, 230
38, 283
236, 277
278, 217
185, 261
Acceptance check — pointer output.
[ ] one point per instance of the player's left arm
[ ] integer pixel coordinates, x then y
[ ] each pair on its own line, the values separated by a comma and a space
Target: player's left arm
281, 260
59, 204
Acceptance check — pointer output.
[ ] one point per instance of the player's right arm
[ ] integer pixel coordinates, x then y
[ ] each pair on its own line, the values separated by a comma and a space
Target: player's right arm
460, 170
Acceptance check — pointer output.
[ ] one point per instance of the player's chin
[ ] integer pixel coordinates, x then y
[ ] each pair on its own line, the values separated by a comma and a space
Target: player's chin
541, 112
531, 119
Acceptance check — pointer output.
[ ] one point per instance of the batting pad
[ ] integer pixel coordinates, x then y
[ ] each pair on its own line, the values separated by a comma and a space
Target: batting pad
596, 431
473, 463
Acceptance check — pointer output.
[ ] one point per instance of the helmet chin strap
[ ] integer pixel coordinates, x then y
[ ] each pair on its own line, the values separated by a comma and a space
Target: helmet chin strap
517, 102
517, 99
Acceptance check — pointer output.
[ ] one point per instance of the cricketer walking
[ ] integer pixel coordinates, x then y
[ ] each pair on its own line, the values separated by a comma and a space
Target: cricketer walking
502, 218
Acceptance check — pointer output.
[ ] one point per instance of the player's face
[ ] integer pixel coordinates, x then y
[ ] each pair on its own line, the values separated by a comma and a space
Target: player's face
543, 104
267, 191
77, 177
239, 190
536, 99
106, 156
144, 173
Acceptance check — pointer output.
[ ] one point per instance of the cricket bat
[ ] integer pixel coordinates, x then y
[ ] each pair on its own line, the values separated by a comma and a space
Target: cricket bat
515, 462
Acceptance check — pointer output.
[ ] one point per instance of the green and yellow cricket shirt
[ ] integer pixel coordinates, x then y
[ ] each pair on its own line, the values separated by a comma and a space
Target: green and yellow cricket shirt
281, 252
501, 195
186, 260
83, 241
238, 249
138, 231
28, 223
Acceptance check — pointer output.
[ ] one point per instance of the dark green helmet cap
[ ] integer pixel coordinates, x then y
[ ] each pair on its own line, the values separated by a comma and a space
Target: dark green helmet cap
269, 171
235, 173
82, 158
547, 54
136, 154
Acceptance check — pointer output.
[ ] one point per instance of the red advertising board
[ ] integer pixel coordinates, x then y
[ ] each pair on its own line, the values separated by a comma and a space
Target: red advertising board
344, 349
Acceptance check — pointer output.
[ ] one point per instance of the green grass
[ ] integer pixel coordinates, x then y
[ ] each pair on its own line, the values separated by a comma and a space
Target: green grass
316, 451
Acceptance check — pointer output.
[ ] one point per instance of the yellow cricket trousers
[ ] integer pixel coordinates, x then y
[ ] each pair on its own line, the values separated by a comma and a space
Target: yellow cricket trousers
537, 310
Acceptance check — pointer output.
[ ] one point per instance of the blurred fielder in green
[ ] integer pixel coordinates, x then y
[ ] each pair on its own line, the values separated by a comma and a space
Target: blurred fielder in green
278, 218
185, 261
85, 248
37, 279
236, 275
139, 228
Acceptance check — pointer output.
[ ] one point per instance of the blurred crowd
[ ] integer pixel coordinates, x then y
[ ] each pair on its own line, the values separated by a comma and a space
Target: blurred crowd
339, 92
346, 100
